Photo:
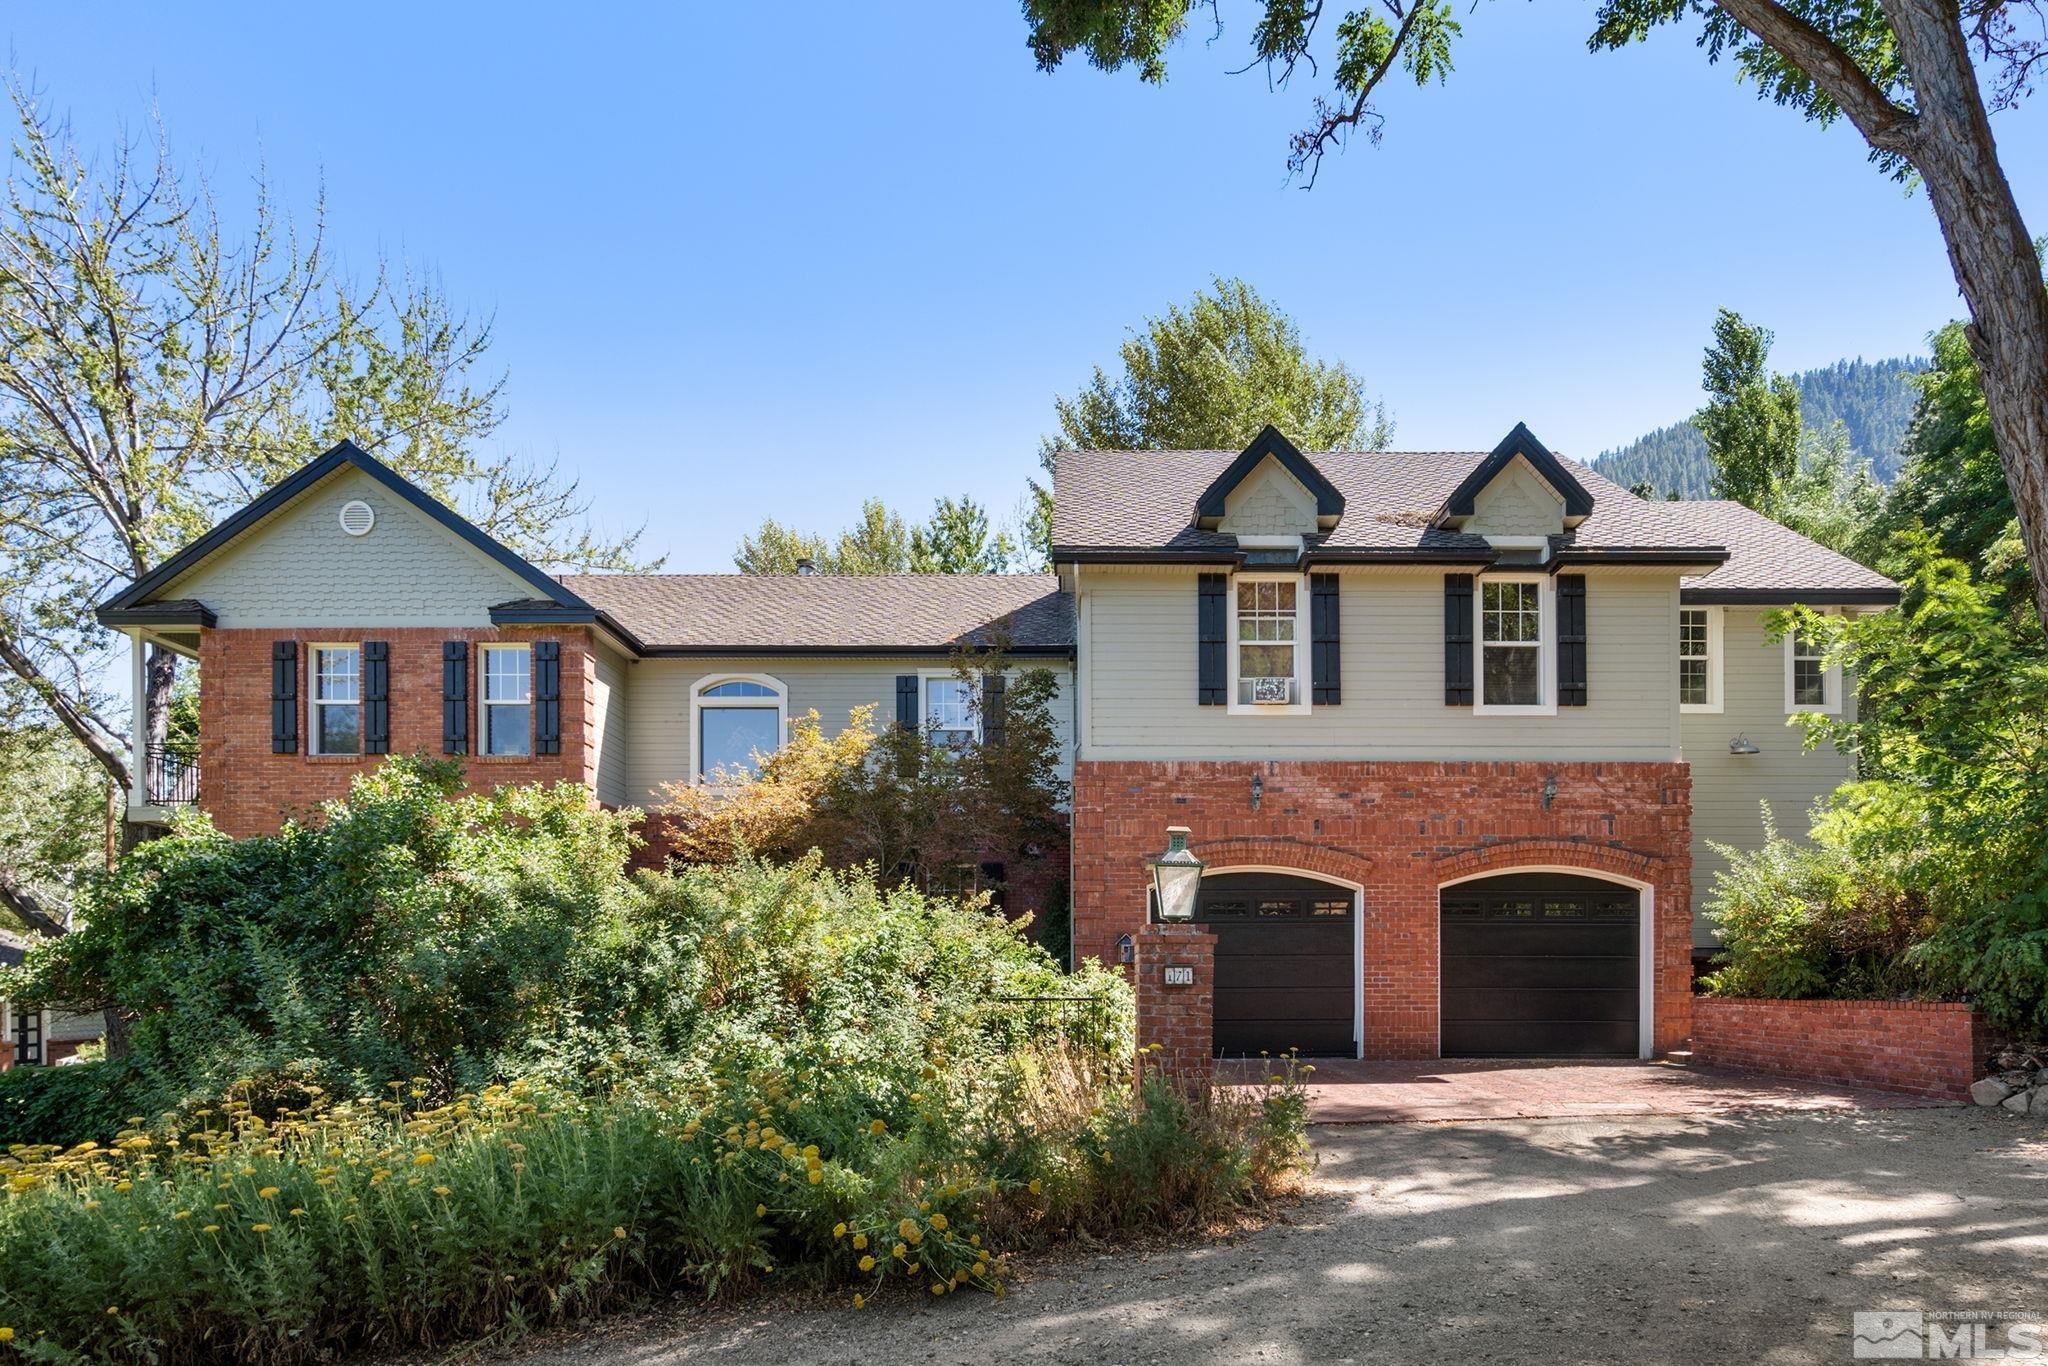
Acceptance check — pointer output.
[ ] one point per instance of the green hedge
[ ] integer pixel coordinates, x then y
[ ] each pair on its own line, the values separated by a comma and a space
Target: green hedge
63, 1105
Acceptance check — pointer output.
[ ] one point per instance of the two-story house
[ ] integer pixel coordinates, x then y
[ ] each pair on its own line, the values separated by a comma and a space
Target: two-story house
1449, 729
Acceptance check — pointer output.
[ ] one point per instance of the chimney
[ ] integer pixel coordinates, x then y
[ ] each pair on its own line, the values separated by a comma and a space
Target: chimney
804, 567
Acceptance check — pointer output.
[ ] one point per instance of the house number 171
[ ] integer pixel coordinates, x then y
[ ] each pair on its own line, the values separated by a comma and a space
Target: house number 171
1180, 977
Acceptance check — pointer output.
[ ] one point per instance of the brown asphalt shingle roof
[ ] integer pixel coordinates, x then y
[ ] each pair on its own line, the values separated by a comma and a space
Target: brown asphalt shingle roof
1768, 560
1142, 503
737, 613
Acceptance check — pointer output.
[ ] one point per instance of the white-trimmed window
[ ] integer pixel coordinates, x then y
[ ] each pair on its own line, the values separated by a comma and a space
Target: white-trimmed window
735, 721
1517, 644
1268, 654
334, 704
1699, 659
504, 703
1811, 684
952, 715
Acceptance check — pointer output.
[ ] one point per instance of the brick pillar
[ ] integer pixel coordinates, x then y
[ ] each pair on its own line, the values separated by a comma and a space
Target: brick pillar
1180, 1019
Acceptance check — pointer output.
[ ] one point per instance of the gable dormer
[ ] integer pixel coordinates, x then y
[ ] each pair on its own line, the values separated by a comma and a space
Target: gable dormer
1519, 491
1270, 494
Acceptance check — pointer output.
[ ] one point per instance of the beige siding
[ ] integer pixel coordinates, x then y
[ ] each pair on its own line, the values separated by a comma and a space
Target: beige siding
614, 751
1138, 659
1727, 790
1269, 502
658, 704
1517, 503
298, 568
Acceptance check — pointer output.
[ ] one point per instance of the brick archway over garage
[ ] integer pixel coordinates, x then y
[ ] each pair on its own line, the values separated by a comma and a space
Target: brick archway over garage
1316, 860
1400, 830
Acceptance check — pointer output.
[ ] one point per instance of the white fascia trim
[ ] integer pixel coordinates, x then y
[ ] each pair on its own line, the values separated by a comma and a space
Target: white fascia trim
699, 703
1546, 646
1233, 707
1269, 541
1714, 703
1831, 686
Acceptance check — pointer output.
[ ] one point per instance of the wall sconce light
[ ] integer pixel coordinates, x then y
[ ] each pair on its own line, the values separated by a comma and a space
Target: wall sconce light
1742, 744
1549, 790
1258, 790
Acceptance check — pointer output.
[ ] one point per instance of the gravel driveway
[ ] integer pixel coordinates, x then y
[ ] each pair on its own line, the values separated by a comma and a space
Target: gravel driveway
1726, 1238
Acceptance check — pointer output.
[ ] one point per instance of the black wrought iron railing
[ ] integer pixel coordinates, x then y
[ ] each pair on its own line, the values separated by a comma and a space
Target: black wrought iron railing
170, 779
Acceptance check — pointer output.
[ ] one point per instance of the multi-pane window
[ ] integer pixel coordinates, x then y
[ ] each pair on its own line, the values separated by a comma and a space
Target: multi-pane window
949, 710
1694, 679
1809, 672
1511, 643
739, 720
337, 699
507, 700
1267, 615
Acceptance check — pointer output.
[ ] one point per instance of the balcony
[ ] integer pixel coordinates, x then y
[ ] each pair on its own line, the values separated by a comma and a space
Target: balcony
170, 779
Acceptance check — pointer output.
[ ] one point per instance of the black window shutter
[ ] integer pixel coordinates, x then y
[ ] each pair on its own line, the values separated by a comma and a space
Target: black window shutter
995, 719
906, 701
1326, 676
376, 697
1571, 640
1457, 640
455, 697
547, 697
1211, 690
284, 697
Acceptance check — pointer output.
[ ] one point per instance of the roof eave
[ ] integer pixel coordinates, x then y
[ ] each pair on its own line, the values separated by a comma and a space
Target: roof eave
736, 651
156, 614
1789, 597
1462, 503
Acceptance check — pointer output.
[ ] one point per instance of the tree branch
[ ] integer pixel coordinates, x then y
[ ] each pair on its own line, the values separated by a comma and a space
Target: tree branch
1884, 125
67, 710
29, 908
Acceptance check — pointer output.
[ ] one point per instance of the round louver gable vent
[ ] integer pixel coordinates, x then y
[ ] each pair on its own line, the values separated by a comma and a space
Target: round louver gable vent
357, 517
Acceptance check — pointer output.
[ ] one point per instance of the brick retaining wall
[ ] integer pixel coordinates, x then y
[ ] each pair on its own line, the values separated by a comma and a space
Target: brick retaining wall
1921, 1048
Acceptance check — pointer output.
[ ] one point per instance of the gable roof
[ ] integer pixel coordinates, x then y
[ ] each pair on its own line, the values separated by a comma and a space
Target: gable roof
884, 614
1463, 500
132, 605
1129, 505
1209, 506
1125, 506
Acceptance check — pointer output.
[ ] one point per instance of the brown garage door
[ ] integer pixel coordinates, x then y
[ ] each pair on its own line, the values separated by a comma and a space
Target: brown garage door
1283, 964
1539, 965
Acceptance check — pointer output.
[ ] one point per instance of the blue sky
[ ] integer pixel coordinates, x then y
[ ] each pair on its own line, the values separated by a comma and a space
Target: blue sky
743, 269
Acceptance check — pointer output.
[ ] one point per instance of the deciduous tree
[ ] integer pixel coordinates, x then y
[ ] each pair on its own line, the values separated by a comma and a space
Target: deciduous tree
1917, 79
1751, 421
159, 369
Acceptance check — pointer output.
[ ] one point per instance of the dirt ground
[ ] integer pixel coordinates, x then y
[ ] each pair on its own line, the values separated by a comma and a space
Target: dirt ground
1723, 1238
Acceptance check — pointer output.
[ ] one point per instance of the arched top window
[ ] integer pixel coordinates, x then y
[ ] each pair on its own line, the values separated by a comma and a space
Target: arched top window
735, 723
738, 687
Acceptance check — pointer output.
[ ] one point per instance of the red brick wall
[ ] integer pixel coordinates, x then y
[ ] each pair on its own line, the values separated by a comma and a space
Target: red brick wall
1400, 830
249, 791
1923, 1048
1180, 1020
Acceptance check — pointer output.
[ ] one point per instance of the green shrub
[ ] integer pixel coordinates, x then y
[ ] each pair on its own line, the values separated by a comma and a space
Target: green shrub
1928, 877
63, 1104
727, 1075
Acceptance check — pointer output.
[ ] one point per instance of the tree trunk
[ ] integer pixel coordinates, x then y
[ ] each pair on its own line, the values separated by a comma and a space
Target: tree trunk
1993, 257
